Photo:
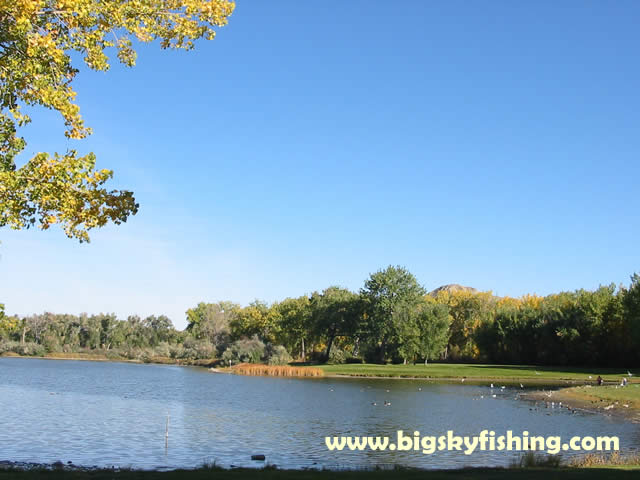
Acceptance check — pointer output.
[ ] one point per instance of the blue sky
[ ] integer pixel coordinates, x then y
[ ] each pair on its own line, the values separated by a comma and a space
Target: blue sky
492, 144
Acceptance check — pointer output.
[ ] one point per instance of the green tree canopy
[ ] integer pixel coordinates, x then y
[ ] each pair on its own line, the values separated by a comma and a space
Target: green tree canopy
386, 292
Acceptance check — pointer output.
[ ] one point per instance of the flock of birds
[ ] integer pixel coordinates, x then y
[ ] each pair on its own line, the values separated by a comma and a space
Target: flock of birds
388, 403
502, 389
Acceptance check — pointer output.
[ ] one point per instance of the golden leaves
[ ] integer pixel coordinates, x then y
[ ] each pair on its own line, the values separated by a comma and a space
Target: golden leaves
37, 38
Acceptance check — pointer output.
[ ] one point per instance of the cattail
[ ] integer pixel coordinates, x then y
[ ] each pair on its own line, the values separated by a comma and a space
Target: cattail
276, 370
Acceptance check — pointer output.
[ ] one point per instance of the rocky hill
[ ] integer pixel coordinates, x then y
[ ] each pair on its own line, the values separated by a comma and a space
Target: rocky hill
451, 288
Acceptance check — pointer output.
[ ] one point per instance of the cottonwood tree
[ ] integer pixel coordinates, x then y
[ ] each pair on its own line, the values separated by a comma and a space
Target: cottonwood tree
336, 313
38, 40
295, 323
211, 322
385, 293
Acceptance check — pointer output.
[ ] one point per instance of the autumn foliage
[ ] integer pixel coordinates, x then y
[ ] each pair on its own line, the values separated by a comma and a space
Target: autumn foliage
37, 41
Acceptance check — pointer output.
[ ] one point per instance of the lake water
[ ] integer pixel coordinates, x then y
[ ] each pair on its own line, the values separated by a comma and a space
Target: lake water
114, 414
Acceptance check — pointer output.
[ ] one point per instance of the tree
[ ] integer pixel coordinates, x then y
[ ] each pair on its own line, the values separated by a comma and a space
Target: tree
386, 292
468, 311
211, 321
423, 330
632, 312
37, 41
295, 323
256, 319
37, 324
335, 313
159, 329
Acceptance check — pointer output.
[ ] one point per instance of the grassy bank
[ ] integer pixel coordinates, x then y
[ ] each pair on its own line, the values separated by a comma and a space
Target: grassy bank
479, 373
273, 474
607, 399
101, 357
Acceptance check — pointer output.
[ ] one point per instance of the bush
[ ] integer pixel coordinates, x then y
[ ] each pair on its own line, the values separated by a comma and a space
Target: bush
162, 350
51, 343
195, 349
27, 348
176, 351
278, 355
337, 355
246, 350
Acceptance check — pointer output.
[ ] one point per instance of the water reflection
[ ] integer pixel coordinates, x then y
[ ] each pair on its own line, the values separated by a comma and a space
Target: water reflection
115, 414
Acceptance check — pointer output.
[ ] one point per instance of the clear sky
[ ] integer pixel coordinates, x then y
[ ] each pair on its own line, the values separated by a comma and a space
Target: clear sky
492, 144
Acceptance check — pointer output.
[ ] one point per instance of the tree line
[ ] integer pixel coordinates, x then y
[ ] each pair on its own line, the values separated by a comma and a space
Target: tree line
391, 319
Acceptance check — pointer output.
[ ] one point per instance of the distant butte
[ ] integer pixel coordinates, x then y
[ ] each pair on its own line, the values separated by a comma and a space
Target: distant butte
451, 288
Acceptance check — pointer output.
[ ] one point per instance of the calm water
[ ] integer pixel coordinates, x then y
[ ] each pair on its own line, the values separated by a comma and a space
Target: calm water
115, 414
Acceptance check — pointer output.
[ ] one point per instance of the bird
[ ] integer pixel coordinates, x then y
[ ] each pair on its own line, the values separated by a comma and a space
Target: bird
387, 390
629, 373
374, 403
590, 377
502, 387
463, 379
538, 373
492, 385
521, 386
387, 404
494, 395
419, 389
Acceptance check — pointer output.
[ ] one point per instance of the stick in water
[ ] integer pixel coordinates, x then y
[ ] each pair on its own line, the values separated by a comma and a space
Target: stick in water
166, 434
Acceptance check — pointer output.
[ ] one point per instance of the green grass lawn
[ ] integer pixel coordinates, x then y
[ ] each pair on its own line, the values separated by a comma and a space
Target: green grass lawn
479, 372
271, 474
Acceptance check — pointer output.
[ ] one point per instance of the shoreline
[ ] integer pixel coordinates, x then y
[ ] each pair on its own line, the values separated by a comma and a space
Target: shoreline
202, 363
471, 381
30, 470
210, 364
586, 403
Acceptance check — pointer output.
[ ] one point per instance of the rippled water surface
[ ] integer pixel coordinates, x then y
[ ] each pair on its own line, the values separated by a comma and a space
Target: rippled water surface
107, 414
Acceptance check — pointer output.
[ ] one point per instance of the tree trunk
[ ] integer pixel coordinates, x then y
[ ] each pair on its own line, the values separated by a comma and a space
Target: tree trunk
426, 359
24, 333
304, 357
405, 361
383, 349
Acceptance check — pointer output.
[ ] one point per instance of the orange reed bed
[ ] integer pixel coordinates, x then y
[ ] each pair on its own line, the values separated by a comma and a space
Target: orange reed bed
276, 370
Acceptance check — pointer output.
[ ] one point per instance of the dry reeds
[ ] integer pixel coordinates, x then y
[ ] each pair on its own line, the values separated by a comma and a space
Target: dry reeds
276, 370
613, 459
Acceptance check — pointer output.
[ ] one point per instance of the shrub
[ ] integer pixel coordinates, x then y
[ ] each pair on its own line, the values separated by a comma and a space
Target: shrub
337, 355
246, 350
27, 348
194, 349
162, 350
278, 355
176, 351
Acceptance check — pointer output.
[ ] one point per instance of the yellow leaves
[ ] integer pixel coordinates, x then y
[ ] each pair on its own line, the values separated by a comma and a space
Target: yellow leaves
64, 190
38, 39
